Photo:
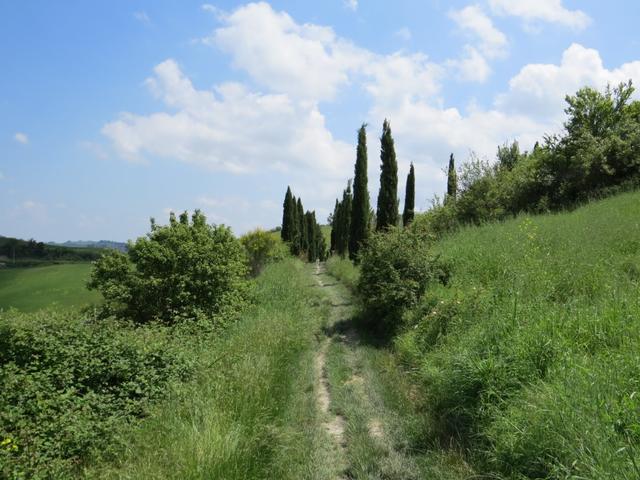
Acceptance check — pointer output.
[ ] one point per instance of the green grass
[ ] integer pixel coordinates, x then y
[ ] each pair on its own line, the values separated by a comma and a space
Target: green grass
528, 359
251, 410
344, 270
29, 289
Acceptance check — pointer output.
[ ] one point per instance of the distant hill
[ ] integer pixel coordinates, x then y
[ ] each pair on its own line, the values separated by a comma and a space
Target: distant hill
92, 244
15, 252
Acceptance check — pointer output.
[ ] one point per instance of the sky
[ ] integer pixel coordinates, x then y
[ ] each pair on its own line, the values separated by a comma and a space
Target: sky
115, 112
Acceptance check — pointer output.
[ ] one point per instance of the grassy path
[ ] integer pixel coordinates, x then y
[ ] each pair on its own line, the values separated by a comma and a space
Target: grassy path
360, 394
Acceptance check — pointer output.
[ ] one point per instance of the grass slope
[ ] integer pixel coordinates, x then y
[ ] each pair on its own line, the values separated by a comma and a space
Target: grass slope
251, 412
529, 359
29, 289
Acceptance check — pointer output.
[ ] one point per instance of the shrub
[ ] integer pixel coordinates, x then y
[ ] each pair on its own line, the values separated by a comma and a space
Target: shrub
66, 387
396, 268
184, 270
263, 247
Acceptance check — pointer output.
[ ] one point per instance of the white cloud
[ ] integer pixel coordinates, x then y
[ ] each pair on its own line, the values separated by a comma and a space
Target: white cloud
303, 60
311, 62
230, 129
488, 43
472, 66
471, 19
403, 34
351, 4
538, 90
142, 17
21, 138
542, 10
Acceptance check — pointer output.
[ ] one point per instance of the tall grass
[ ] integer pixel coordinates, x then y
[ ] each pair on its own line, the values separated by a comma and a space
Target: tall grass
528, 359
251, 412
344, 270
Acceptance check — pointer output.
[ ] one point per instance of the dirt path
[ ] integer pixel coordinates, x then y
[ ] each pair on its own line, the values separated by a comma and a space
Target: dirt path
349, 394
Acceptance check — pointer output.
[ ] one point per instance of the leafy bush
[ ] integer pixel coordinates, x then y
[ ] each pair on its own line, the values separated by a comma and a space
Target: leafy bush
184, 270
263, 247
396, 268
66, 387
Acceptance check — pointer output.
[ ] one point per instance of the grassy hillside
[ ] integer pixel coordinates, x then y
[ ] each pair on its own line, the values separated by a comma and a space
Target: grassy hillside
29, 289
528, 358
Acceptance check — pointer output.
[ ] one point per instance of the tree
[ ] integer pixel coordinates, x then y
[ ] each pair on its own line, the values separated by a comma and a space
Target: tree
508, 155
302, 240
288, 217
452, 181
342, 222
334, 225
387, 213
262, 247
180, 271
359, 227
312, 250
409, 198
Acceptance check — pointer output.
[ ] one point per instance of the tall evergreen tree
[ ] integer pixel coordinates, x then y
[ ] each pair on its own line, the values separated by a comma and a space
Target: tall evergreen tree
302, 225
334, 226
359, 227
387, 213
288, 217
452, 181
312, 252
409, 198
344, 222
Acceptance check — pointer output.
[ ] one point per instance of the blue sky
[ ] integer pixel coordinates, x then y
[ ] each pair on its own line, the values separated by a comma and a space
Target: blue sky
113, 112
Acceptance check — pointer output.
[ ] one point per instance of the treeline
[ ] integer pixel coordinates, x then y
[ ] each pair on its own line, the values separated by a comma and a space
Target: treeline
301, 230
21, 251
597, 154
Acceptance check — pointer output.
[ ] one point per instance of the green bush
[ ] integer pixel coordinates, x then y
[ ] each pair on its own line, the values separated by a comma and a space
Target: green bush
396, 267
263, 247
66, 387
184, 270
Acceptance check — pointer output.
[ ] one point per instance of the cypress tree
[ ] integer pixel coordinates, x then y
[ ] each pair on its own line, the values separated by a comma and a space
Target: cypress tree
452, 181
344, 221
334, 227
302, 228
359, 228
287, 216
409, 198
312, 253
387, 213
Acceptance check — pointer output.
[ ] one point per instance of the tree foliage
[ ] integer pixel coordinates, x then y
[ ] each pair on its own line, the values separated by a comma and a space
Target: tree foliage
182, 271
387, 213
409, 198
359, 223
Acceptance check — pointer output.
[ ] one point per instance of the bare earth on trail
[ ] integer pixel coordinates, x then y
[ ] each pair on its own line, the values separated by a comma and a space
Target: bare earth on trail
348, 395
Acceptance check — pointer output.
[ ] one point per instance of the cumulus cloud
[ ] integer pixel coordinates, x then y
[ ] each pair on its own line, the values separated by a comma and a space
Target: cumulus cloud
21, 138
488, 43
471, 19
308, 61
538, 90
542, 10
230, 129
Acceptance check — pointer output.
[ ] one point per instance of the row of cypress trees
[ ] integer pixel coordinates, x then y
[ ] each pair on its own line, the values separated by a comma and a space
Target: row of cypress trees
301, 230
352, 218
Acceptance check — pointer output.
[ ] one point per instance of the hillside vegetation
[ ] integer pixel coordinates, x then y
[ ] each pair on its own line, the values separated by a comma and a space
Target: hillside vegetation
526, 355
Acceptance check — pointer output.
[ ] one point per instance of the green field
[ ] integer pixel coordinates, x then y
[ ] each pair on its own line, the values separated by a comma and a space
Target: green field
29, 289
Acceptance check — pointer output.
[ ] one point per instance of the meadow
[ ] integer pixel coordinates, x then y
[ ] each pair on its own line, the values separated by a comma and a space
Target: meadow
61, 285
